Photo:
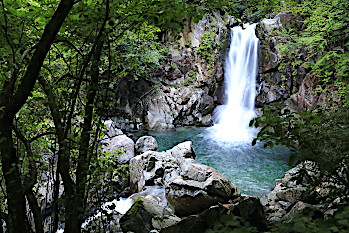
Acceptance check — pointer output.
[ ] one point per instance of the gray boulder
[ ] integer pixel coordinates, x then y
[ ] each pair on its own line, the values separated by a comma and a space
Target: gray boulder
146, 143
124, 143
139, 217
160, 222
152, 168
197, 188
111, 129
190, 187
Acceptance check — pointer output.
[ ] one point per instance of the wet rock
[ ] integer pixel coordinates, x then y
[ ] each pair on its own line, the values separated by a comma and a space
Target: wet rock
207, 120
146, 143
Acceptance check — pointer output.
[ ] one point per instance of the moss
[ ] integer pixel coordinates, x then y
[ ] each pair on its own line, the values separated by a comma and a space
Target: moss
137, 205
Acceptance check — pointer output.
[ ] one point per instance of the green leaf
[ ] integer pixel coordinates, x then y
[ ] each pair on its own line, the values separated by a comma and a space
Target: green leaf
254, 141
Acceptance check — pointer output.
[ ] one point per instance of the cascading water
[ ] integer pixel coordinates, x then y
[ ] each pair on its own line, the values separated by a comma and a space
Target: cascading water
232, 119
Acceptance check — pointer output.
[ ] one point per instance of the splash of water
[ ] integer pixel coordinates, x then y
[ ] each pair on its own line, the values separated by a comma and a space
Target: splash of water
232, 119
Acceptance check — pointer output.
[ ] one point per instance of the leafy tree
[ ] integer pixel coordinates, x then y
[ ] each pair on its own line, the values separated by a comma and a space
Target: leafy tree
53, 124
16, 87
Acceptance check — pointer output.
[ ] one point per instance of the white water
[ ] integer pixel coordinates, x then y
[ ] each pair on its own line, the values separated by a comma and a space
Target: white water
157, 193
232, 119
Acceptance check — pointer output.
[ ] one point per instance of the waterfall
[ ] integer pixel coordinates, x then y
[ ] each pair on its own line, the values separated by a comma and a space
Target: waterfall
232, 119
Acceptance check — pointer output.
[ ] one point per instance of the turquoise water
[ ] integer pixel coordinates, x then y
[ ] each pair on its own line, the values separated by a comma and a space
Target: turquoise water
252, 168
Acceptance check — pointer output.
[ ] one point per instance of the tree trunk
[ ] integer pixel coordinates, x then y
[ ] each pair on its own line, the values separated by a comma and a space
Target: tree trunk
15, 192
76, 219
11, 101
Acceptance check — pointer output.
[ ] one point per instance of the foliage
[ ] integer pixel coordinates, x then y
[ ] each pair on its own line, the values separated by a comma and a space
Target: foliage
139, 53
191, 77
208, 46
107, 178
320, 43
232, 223
309, 222
320, 137
52, 134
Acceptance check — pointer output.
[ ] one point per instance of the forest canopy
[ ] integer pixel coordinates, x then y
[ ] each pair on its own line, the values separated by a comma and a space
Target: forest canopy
57, 57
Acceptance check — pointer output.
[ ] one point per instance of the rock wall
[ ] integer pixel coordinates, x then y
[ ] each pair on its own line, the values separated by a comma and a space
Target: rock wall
275, 83
178, 107
281, 78
188, 87
190, 83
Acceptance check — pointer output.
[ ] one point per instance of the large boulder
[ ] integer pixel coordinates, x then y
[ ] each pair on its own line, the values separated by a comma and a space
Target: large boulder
115, 140
305, 189
146, 143
190, 187
139, 217
152, 168
123, 143
197, 188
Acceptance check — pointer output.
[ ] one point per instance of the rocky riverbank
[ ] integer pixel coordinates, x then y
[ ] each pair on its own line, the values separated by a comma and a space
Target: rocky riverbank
195, 197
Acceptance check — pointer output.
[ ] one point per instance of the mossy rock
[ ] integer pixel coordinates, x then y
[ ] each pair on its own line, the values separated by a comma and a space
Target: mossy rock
138, 217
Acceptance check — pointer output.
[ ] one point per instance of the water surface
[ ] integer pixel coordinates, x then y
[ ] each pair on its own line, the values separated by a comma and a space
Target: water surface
252, 168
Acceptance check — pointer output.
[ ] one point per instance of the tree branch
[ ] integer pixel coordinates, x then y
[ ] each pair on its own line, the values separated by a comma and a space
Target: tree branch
36, 62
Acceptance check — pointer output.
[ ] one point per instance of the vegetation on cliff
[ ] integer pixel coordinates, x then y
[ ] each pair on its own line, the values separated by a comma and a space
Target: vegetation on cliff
317, 40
